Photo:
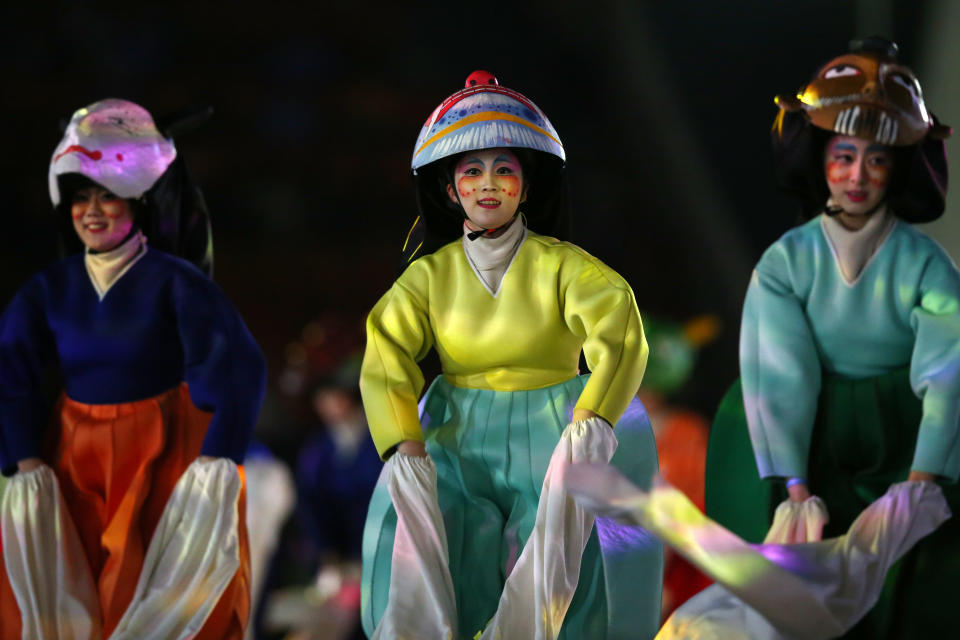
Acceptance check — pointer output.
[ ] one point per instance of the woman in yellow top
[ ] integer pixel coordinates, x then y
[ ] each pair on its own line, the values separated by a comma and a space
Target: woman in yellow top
508, 311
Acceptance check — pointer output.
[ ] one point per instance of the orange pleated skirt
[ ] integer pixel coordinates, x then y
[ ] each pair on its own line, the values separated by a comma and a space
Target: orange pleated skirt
117, 466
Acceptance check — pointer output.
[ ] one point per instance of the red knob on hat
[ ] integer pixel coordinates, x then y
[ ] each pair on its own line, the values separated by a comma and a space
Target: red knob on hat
480, 77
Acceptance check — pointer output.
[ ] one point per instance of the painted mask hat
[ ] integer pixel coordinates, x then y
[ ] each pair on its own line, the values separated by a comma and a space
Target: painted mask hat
117, 145
866, 93
486, 115
114, 143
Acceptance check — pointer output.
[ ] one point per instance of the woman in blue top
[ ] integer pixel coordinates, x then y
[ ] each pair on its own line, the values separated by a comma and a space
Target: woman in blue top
850, 341
162, 383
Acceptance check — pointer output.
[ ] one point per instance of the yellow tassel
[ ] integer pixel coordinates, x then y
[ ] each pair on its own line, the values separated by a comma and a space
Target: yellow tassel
778, 121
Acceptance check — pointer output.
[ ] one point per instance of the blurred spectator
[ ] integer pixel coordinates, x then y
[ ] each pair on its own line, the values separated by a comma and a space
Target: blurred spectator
270, 500
337, 469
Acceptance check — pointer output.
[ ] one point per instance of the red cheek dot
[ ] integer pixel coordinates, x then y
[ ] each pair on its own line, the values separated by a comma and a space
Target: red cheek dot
120, 157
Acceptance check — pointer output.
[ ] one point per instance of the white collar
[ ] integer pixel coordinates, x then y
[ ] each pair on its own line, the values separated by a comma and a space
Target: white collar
106, 268
853, 250
490, 258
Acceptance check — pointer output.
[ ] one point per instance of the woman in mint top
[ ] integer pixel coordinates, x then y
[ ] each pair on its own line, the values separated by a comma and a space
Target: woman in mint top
850, 340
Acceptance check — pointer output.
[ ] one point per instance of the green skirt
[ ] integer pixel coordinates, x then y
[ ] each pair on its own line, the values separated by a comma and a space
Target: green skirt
491, 450
863, 441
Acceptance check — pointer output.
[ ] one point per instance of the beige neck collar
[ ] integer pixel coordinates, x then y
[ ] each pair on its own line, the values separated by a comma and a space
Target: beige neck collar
853, 250
106, 268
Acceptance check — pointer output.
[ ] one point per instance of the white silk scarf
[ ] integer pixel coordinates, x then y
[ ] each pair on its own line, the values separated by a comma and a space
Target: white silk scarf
192, 557
421, 603
539, 590
45, 561
777, 590
540, 587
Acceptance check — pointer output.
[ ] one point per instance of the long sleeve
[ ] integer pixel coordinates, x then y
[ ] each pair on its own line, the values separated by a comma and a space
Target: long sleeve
935, 368
224, 367
398, 336
598, 305
26, 349
779, 367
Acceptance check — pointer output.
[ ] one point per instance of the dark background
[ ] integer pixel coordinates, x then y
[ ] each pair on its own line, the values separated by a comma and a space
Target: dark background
664, 109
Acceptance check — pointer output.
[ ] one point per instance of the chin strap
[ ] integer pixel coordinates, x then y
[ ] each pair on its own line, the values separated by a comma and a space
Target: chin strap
832, 209
473, 235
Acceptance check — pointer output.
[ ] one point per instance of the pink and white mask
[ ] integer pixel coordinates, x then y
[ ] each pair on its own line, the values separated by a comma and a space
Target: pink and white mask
114, 143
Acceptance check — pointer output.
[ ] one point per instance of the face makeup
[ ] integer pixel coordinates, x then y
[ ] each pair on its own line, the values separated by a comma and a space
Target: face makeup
101, 219
489, 186
857, 172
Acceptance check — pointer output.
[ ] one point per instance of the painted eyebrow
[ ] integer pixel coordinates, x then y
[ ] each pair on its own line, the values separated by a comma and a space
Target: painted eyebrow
506, 159
472, 161
876, 148
845, 146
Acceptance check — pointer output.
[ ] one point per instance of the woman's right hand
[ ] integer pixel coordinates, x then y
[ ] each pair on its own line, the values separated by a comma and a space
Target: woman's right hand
798, 492
412, 448
28, 464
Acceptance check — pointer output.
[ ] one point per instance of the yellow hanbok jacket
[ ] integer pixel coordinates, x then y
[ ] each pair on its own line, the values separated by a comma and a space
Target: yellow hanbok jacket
554, 300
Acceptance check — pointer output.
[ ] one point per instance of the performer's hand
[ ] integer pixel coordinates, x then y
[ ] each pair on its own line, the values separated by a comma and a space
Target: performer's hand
583, 414
798, 492
921, 476
28, 464
205, 458
412, 448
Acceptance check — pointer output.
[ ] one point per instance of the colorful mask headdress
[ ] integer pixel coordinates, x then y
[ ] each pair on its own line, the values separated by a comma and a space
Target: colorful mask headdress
485, 115
116, 144
867, 94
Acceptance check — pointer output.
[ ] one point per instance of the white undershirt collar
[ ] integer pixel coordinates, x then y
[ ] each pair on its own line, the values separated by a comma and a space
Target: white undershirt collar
490, 258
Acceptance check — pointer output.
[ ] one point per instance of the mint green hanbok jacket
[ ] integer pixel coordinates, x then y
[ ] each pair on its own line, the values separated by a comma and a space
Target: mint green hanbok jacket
802, 318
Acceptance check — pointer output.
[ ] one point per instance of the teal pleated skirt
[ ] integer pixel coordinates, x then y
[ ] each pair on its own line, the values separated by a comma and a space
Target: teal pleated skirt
491, 450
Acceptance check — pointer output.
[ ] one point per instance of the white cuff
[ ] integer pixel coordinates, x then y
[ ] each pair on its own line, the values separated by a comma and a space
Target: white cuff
45, 561
421, 601
798, 521
538, 591
192, 557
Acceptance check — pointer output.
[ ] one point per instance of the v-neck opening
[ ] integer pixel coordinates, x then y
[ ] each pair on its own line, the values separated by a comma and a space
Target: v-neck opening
866, 265
476, 270
120, 275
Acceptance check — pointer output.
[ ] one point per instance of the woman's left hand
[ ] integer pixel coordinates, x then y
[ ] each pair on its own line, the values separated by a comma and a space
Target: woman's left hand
29, 464
205, 458
921, 476
583, 414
